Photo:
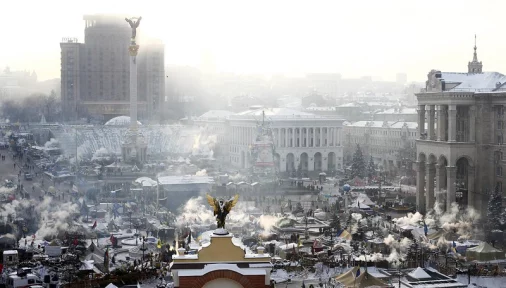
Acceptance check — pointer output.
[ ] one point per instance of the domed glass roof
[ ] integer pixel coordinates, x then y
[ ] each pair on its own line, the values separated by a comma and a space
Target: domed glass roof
120, 121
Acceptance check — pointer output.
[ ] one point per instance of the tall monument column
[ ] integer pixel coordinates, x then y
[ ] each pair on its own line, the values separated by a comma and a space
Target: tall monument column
133, 49
134, 147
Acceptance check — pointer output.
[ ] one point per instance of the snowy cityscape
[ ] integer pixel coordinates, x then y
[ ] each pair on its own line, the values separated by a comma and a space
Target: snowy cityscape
132, 170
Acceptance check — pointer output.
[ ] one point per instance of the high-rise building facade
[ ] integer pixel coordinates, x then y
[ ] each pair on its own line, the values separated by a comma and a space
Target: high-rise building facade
95, 74
460, 127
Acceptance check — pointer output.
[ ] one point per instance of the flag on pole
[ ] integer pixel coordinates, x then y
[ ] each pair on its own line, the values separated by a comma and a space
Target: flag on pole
159, 244
358, 272
75, 241
425, 229
94, 225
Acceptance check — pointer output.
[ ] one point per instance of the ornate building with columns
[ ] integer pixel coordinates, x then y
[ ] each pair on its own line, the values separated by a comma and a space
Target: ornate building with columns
460, 128
392, 144
302, 140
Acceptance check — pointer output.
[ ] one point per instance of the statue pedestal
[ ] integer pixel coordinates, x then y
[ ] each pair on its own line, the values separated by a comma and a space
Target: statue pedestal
134, 148
221, 232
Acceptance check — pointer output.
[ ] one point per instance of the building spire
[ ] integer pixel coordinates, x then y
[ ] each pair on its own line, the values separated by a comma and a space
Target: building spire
475, 56
474, 66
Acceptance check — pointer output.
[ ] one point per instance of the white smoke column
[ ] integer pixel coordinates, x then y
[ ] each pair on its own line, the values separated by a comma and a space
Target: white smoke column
461, 222
237, 177
398, 248
9, 209
54, 218
198, 211
52, 143
395, 258
204, 144
372, 257
410, 219
101, 154
389, 240
268, 221
202, 172
195, 212
357, 218
196, 145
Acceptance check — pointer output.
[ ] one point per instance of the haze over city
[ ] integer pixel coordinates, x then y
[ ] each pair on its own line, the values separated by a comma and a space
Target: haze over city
252, 144
354, 38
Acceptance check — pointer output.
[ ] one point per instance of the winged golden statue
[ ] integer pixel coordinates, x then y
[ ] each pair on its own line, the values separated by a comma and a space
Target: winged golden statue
221, 208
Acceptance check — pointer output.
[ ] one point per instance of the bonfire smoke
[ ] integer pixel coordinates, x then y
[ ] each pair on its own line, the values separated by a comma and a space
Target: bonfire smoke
51, 218
462, 222
202, 172
267, 222
197, 211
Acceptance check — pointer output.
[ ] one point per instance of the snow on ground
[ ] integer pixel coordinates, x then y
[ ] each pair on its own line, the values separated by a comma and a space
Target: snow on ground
489, 282
282, 276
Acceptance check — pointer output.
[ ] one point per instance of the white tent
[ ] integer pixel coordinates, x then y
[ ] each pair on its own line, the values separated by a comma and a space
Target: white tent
288, 246
364, 199
419, 274
358, 205
146, 182
111, 286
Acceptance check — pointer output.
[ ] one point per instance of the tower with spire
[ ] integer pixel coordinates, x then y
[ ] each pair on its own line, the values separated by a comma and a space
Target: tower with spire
474, 66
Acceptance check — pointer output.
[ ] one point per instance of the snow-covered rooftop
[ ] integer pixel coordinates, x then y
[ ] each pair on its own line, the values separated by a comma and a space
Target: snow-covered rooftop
399, 111
419, 273
351, 104
187, 179
382, 124
316, 108
273, 112
216, 114
473, 81
120, 121
279, 114
146, 181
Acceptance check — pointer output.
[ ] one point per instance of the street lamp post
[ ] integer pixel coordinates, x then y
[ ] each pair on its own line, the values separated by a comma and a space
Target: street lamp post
143, 249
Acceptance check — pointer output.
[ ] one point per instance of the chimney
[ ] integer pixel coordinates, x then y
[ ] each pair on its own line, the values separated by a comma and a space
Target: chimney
443, 85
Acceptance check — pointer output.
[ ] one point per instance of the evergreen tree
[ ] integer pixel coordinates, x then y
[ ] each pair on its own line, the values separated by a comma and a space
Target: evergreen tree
335, 222
298, 208
371, 169
360, 233
494, 210
358, 168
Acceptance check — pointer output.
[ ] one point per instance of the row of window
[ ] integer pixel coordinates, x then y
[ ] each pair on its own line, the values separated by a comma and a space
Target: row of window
361, 131
382, 142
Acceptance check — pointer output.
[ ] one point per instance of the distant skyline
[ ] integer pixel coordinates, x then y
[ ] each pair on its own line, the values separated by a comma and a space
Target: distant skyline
353, 38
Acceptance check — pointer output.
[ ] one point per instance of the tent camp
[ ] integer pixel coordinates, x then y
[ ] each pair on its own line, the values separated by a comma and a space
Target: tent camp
344, 234
359, 206
484, 252
436, 235
364, 279
364, 199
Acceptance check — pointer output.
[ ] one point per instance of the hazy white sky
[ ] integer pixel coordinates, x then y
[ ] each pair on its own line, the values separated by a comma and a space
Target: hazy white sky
354, 38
